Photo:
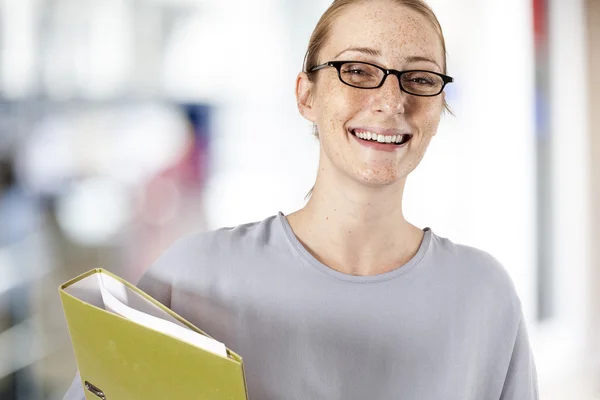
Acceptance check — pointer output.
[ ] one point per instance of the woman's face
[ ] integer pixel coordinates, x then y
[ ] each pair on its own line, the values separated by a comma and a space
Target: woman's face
390, 36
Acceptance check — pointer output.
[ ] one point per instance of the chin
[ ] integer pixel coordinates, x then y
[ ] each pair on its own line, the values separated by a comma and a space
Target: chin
380, 176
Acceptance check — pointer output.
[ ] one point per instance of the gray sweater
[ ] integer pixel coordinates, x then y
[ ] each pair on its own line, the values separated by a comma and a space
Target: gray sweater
446, 325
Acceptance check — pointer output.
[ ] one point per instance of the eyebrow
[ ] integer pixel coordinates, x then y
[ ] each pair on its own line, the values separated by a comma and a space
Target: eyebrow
366, 50
376, 53
421, 58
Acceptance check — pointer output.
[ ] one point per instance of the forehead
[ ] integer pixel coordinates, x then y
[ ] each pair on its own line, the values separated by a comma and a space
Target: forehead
396, 31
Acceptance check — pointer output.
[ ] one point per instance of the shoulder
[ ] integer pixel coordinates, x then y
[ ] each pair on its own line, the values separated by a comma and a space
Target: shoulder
219, 247
468, 261
476, 271
227, 240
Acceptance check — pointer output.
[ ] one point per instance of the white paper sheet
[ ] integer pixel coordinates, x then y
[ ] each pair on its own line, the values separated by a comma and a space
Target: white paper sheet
110, 292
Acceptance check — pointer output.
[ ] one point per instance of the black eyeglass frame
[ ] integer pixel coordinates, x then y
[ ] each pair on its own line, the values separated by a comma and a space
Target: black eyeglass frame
338, 66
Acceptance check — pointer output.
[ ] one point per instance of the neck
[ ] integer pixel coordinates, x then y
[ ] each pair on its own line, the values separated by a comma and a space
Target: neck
356, 229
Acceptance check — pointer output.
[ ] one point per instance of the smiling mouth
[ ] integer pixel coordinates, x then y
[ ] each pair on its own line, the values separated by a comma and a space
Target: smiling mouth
396, 140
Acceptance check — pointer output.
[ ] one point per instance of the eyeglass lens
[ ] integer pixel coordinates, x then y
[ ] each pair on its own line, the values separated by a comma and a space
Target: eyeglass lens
369, 76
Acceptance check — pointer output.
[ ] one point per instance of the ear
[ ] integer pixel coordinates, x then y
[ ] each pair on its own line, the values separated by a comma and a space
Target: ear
304, 97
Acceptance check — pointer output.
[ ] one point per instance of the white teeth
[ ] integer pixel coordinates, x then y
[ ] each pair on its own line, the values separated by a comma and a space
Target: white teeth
380, 138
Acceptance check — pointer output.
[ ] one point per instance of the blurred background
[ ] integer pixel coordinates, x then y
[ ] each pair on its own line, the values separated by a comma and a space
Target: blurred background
125, 124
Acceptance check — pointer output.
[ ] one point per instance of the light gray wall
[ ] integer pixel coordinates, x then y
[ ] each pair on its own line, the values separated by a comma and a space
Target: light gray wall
594, 69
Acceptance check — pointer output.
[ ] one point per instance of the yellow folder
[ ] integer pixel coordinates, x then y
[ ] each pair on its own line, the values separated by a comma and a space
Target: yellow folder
149, 353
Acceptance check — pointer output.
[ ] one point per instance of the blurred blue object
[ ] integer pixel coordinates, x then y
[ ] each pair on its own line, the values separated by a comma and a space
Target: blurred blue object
19, 212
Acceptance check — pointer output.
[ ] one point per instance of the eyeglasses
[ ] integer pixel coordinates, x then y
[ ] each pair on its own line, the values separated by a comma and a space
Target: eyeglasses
364, 75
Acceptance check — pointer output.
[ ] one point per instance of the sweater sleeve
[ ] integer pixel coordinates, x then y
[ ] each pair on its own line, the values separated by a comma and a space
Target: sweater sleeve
521, 378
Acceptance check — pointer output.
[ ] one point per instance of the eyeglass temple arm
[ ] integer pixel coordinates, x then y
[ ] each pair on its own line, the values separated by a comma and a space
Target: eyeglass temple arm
318, 67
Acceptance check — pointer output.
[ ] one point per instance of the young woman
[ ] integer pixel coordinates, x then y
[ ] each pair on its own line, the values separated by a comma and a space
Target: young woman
345, 299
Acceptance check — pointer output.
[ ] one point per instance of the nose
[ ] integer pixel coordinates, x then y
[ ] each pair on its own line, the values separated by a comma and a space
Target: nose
390, 99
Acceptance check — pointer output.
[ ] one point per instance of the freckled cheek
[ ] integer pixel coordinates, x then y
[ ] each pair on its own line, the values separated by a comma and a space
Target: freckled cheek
426, 117
339, 105
430, 125
433, 122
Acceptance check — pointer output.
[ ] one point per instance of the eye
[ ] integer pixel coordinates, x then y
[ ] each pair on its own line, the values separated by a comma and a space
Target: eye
355, 70
360, 74
422, 81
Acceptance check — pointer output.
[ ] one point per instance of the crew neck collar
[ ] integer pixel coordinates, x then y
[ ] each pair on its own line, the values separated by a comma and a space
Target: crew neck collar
313, 262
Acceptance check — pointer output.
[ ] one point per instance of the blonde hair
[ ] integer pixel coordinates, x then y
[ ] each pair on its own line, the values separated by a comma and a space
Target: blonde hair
323, 29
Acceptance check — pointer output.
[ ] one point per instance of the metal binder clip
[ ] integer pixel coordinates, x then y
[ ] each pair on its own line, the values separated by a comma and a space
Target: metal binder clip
95, 390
